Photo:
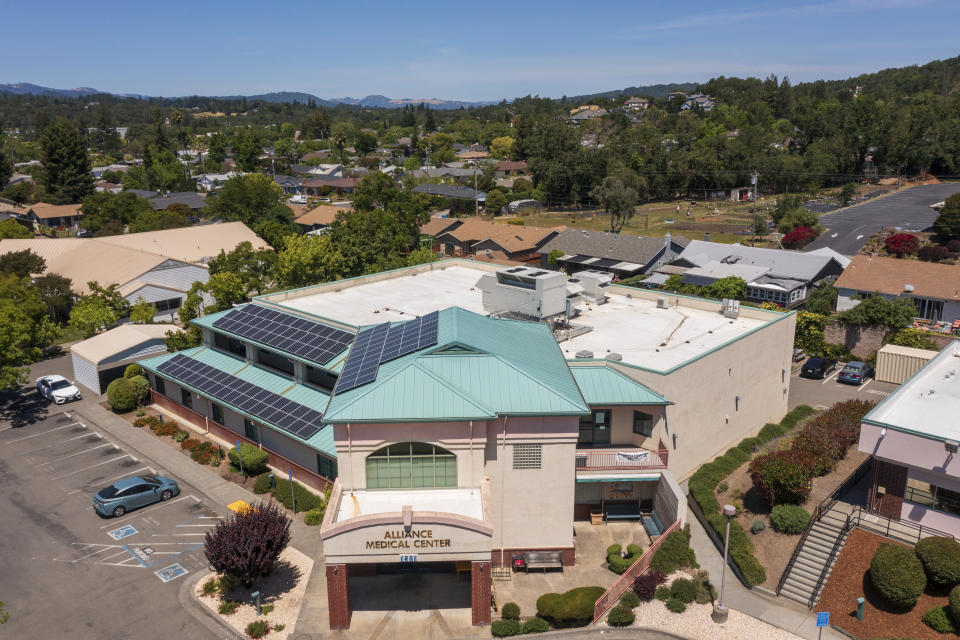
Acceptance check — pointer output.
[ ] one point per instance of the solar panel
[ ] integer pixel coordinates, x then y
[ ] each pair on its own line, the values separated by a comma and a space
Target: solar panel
293, 417
286, 332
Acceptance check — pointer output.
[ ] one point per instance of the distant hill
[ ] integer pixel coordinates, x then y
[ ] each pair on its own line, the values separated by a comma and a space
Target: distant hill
383, 102
22, 88
651, 91
290, 96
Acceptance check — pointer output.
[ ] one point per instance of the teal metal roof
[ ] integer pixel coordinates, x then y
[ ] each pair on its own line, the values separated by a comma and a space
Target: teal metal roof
308, 396
499, 367
602, 385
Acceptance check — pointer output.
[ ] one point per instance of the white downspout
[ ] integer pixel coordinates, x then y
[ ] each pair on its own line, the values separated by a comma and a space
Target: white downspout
503, 483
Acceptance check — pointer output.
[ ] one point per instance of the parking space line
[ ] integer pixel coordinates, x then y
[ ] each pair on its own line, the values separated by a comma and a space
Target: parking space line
864, 385
126, 455
150, 509
43, 433
122, 475
85, 435
59, 459
173, 535
89, 555
831, 377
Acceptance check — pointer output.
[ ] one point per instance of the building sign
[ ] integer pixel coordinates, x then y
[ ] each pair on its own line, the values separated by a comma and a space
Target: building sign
404, 539
621, 490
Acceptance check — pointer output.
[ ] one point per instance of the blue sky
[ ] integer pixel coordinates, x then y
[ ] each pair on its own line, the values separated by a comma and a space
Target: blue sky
460, 50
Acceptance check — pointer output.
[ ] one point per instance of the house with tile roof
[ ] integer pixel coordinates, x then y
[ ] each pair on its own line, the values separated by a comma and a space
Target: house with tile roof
473, 236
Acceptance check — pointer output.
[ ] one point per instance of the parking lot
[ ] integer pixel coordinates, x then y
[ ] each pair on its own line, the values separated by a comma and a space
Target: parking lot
826, 392
71, 572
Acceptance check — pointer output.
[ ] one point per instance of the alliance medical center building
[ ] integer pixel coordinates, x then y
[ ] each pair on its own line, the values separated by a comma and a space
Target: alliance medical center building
466, 412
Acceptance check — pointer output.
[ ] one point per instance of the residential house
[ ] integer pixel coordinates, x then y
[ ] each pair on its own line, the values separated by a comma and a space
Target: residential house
213, 181
636, 104
438, 223
195, 201
471, 236
451, 191
317, 170
933, 287
772, 275
620, 254
54, 215
319, 217
701, 100
508, 167
676, 95
320, 185
586, 114
460, 175
291, 185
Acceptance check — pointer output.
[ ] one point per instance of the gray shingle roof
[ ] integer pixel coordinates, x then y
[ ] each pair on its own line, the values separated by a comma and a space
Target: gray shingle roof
192, 200
449, 191
602, 244
779, 262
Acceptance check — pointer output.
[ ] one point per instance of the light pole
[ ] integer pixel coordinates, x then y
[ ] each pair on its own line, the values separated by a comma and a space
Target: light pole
720, 612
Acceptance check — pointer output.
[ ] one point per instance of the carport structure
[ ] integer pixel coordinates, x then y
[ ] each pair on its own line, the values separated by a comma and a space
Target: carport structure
103, 358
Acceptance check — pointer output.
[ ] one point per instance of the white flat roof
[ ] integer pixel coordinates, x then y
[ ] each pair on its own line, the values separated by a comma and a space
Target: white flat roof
929, 402
401, 298
361, 502
645, 336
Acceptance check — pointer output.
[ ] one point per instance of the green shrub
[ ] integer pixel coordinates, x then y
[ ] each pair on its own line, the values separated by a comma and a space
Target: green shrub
782, 477
306, 499
938, 619
139, 412
262, 484
166, 428
254, 458
146, 421
674, 552
620, 616
510, 611
228, 607
954, 604
181, 435
279, 627
706, 593
789, 518
122, 395
630, 599
536, 625
749, 445
645, 585
941, 560
133, 370
258, 628
266, 608
141, 388
662, 593
758, 525
676, 606
634, 550
684, 590
204, 452
211, 587
506, 628
722, 487
614, 548
571, 609
314, 517
897, 574
769, 432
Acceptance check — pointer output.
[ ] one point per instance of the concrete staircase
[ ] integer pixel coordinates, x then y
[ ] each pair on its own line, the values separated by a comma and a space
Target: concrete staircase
801, 583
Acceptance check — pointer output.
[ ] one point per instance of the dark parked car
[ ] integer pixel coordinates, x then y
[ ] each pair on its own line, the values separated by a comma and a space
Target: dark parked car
130, 493
856, 372
817, 367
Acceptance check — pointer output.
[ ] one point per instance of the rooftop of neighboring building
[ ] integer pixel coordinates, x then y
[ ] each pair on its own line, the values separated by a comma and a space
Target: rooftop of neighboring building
611, 246
117, 340
892, 276
511, 237
645, 335
927, 403
46, 211
779, 262
325, 214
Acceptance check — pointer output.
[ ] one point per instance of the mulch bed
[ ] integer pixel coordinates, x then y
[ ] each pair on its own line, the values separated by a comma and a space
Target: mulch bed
850, 580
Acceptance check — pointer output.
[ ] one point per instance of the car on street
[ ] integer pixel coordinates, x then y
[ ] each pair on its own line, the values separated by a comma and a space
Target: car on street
817, 367
58, 389
856, 372
131, 493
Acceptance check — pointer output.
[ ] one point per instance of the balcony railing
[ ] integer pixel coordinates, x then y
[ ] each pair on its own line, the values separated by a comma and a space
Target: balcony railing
622, 458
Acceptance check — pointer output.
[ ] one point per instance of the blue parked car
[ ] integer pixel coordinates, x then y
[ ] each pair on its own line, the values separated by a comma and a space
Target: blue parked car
130, 493
855, 372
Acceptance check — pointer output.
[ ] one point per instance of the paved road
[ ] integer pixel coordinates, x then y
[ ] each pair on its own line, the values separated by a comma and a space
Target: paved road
848, 230
825, 393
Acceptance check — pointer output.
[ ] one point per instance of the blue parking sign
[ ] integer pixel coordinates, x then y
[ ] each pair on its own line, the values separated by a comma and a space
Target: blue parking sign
823, 619
170, 573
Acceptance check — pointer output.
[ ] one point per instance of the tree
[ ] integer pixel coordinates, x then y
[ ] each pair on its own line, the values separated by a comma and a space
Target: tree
249, 199
901, 244
142, 312
421, 255
495, 201
227, 289
375, 191
308, 260
947, 225
847, 192
429, 125
22, 263
364, 142
104, 207
617, 199
246, 151
25, 329
554, 257
66, 166
732, 287
501, 147
253, 267
897, 313
105, 137
370, 241
246, 545
339, 136
165, 172
276, 231
317, 124
822, 299
187, 338
6, 166
218, 148
57, 295
100, 309
173, 217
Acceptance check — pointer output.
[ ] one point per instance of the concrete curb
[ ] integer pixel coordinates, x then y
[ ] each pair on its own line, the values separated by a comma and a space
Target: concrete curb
207, 618
608, 632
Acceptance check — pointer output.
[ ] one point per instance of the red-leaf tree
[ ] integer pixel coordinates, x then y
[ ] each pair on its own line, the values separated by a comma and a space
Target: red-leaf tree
902, 244
799, 237
246, 545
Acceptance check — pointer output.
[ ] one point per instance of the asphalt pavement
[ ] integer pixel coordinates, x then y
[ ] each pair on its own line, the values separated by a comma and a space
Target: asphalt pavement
848, 229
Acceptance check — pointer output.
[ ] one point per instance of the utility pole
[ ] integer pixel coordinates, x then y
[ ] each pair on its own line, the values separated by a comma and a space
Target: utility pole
476, 193
756, 203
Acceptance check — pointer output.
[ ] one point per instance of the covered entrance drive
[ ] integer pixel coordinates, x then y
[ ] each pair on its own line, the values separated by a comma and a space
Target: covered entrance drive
409, 550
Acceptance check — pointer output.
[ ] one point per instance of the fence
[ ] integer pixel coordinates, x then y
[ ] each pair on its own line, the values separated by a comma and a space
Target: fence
605, 602
300, 474
609, 459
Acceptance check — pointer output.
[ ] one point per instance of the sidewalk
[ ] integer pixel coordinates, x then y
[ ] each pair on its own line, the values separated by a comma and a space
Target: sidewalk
776, 611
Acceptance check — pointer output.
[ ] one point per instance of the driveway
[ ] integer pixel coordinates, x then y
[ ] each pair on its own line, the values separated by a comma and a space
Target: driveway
848, 229
824, 393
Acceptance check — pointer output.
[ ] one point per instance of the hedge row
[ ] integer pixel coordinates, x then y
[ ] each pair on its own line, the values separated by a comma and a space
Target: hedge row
707, 477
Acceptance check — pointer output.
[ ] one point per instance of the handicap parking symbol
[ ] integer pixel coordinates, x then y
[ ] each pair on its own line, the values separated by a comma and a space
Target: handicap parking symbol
123, 532
171, 573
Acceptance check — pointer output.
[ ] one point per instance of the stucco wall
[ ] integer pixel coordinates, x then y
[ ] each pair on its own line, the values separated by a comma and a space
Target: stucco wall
915, 452
621, 428
861, 341
670, 501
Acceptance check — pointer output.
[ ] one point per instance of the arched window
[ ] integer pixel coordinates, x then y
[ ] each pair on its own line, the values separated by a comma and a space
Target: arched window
411, 465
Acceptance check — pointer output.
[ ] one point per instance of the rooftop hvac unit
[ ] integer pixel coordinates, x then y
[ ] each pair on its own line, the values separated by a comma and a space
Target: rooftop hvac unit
908, 287
730, 308
614, 356
584, 354
662, 303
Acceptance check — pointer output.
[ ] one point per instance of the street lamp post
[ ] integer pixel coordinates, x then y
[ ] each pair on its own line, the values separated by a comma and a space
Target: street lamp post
720, 612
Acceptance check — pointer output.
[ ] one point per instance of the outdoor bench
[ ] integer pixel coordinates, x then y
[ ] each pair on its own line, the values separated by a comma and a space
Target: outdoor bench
622, 512
543, 560
653, 525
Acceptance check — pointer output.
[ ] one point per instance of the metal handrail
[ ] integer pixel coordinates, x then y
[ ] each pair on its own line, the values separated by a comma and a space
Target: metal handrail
796, 552
919, 528
826, 567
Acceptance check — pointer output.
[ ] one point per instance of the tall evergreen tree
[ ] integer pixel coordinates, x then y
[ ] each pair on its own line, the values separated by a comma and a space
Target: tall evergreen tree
6, 166
66, 165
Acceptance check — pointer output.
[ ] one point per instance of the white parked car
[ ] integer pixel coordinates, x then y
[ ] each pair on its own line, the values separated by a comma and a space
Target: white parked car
58, 389
299, 199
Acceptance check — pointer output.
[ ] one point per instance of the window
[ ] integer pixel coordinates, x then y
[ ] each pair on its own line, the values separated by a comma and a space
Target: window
251, 431
186, 399
159, 385
217, 412
642, 423
168, 305
411, 465
595, 428
933, 497
929, 309
527, 456
326, 467
232, 345
274, 361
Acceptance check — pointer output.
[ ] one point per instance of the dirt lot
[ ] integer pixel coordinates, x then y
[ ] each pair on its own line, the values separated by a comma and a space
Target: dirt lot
850, 580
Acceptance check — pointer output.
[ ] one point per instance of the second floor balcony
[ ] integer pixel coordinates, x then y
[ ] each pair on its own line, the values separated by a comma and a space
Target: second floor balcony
627, 458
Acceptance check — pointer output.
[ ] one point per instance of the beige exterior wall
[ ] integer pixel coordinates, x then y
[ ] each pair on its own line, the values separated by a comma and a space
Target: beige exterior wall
708, 418
621, 428
385, 542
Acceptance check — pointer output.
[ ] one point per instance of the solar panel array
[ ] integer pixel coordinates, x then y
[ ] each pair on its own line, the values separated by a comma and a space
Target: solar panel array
270, 407
303, 338
382, 343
